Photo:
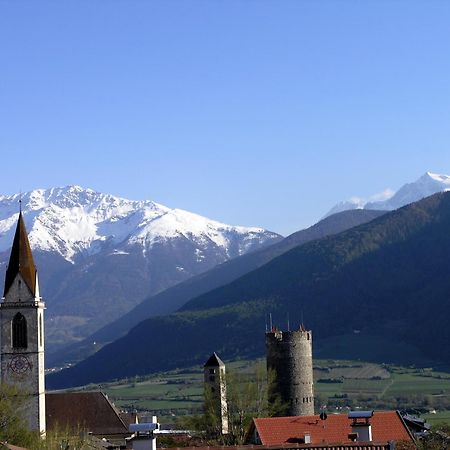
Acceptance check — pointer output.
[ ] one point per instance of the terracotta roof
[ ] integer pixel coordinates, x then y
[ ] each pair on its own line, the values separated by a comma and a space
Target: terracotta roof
332, 446
386, 426
21, 259
214, 361
91, 411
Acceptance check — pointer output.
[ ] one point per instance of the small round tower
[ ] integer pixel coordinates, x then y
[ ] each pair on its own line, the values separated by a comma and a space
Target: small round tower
289, 356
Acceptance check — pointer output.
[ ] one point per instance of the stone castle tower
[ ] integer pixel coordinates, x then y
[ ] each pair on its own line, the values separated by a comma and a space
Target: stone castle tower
289, 356
216, 389
22, 329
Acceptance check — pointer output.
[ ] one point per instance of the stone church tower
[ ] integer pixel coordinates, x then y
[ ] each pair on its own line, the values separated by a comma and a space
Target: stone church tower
289, 356
216, 390
22, 329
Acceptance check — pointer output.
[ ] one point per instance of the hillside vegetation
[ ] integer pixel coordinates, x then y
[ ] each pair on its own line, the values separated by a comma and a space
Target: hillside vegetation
174, 297
387, 278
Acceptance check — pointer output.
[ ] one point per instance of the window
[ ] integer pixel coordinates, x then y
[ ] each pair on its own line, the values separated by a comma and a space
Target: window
19, 331
211, 370
40, 330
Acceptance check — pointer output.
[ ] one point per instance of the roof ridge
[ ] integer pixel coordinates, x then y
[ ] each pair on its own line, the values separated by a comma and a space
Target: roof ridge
113, 408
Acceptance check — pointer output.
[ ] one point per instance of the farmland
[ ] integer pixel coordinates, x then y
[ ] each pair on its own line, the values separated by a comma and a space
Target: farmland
339, 386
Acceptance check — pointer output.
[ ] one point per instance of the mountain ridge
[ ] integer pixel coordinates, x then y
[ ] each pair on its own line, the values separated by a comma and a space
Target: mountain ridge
428, 184
172, 298
104, 254
82, 219
388, 277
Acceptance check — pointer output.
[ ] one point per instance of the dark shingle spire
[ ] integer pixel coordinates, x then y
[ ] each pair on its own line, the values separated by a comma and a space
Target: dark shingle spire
21, 259
214, 361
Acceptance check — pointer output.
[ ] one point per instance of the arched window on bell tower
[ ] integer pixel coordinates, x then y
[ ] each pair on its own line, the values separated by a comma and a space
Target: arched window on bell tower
19, 331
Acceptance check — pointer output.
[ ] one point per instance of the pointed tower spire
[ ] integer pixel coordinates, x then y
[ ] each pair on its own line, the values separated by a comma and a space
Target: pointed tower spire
22, 337
21, 259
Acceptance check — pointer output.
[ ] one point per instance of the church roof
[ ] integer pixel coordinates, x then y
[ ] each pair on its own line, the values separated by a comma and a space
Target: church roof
21, 259
91, 411
214, 361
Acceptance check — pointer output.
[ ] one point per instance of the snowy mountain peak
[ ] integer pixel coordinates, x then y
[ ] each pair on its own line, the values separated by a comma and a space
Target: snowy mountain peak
428, 184
439, 178
71, 220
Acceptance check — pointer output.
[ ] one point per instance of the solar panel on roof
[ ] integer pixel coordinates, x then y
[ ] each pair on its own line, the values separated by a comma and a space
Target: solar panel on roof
360, 414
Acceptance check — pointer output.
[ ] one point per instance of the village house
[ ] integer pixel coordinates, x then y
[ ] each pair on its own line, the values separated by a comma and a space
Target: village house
373, 429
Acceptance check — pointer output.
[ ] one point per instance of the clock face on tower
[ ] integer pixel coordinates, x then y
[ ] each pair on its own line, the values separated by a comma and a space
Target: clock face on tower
20, 365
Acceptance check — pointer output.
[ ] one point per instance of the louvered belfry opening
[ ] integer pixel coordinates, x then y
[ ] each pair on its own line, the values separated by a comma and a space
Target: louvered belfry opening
19, 331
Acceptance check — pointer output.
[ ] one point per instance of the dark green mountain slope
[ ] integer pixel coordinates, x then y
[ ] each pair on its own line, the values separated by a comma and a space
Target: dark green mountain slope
173, 298
390, 277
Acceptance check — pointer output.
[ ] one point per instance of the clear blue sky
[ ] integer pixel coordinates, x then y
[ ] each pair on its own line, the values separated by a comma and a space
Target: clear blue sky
260, 113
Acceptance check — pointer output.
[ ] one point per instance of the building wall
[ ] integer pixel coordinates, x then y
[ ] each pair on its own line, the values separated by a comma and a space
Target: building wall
24, 367
214, 377
289, 356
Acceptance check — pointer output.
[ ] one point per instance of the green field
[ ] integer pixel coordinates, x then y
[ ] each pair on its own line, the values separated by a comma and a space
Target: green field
339, 385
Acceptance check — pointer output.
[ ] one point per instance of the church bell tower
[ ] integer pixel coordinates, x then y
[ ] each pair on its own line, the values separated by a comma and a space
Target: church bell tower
22, 329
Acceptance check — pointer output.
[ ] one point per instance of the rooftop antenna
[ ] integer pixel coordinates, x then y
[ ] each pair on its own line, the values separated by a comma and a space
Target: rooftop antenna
20, 202
288, 325
302, 317
265, 317
271, 324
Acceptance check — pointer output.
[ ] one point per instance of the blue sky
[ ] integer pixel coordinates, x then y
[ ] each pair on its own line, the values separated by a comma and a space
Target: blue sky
260, 113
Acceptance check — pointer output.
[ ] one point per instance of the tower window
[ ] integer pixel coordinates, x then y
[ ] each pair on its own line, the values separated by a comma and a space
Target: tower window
40, 330
19, 331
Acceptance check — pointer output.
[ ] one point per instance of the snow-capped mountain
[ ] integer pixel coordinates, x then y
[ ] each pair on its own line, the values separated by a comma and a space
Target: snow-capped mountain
99, 255
428, 184
72, 221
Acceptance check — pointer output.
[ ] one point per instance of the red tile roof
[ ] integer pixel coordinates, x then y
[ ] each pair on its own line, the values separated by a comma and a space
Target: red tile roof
386, 426
338, 446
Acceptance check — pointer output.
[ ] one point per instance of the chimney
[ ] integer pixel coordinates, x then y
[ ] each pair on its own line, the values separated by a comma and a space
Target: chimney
361, 426
144, 437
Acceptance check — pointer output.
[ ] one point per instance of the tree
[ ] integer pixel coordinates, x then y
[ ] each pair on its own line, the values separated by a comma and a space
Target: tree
247, 397
437, 439
13, 428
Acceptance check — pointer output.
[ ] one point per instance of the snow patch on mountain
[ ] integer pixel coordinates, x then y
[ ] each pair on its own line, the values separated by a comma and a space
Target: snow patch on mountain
73, 220
428, 184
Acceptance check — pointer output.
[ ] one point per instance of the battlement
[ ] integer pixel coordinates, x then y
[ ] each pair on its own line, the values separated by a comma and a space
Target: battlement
289, 336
